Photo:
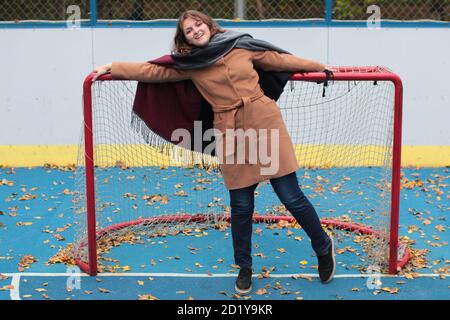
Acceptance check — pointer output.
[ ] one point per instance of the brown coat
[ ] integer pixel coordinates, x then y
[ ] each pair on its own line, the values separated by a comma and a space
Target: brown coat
231, 87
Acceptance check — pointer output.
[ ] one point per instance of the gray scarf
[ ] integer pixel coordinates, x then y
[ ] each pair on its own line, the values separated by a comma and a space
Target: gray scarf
218, 46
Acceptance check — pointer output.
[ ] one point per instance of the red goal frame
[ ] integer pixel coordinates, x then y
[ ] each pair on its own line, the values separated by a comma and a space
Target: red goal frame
371, 73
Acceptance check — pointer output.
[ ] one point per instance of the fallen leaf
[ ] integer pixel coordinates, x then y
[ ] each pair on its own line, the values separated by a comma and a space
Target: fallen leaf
261, 291
5, 288
147, 297
390, 290
23, 224
26, 261
6, 183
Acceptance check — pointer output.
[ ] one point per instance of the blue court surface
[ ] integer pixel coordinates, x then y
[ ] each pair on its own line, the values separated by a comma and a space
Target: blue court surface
35, 223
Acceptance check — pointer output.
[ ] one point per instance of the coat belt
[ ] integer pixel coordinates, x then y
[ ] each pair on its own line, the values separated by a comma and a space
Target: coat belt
230, 122
232, 109
242, 102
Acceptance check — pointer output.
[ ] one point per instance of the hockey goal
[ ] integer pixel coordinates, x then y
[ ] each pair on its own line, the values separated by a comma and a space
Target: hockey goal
347, 137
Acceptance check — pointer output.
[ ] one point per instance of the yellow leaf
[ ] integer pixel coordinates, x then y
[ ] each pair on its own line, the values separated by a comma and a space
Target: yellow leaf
303, 262
261, 291
6, 182
23, 224
59, 237
282, 250
394, 290
6, 288
376, 292
141, 283
147, 297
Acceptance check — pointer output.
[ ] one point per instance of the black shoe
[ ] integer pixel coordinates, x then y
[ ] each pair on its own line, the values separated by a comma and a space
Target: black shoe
327, 265
244, 281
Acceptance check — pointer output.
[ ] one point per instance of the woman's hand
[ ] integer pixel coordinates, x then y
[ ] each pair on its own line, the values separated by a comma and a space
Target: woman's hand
101, 71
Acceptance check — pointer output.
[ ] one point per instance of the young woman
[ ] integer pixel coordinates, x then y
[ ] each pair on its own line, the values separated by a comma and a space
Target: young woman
223, 66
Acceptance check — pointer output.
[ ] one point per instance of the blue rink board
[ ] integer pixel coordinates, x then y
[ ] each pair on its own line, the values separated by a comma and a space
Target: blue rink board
27, 227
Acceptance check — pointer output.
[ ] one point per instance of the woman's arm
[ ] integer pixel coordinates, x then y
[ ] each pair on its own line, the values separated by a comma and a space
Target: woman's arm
275, 61
142, 71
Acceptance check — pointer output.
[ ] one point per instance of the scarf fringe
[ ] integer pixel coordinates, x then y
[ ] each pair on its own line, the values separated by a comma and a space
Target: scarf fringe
176, 154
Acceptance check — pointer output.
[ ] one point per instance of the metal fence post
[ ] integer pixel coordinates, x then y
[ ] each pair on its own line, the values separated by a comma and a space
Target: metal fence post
93, 10
328, 11
239, 9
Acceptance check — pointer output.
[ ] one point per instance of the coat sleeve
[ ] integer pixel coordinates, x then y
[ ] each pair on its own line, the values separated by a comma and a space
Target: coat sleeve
147, 72
275, 61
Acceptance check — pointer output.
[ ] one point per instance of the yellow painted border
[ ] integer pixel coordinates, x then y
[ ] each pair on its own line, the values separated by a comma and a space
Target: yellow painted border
39, 155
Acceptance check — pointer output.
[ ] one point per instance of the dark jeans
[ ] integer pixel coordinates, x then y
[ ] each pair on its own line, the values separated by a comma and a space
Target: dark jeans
290, 194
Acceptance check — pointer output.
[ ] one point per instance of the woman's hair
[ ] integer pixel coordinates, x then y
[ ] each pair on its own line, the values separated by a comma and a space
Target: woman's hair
180, 44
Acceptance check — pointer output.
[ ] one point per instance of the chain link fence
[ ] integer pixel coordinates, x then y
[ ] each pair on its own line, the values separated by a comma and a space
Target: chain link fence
392, 9
41, 10
223, 9
140, 10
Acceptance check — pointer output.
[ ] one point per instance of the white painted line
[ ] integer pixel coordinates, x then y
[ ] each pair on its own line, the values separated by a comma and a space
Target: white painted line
16, 276
15, 283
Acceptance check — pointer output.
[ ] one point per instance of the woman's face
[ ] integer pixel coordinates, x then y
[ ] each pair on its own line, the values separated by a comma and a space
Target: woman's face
197, 33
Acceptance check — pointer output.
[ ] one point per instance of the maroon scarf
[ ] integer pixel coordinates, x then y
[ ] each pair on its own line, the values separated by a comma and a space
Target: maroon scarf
160, 108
